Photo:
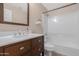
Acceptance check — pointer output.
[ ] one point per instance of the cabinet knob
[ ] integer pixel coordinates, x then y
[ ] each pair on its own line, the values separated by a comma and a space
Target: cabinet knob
39, 49
21, 48
39, 40
6, 54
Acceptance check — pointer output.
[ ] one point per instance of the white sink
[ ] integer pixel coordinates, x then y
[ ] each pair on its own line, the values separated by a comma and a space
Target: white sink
8, 36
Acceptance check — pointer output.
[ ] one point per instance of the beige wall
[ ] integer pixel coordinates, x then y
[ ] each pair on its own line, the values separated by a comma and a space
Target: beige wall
8, 27
36, 10
35, 14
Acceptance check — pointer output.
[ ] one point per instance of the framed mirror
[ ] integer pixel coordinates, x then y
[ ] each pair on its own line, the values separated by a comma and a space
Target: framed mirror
14, 13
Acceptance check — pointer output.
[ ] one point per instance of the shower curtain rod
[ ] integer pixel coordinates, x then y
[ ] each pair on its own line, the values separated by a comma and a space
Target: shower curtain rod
60, 8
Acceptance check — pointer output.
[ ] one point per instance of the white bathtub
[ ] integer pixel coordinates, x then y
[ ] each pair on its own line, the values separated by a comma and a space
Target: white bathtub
65, 45
64, 50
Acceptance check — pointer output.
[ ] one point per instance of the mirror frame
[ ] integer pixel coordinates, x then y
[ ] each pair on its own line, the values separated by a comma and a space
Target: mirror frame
5, 22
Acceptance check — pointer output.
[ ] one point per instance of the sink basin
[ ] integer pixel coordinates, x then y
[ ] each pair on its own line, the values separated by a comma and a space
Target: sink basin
8, 36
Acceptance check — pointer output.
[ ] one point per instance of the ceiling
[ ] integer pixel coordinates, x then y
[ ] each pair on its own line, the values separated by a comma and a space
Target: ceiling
50, 6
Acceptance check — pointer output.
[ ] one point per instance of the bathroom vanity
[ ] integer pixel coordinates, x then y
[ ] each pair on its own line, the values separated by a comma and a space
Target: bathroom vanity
31, 45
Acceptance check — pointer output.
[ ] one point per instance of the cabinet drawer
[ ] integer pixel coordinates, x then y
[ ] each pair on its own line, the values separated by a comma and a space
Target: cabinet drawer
37, 41
36, 51
18, 49
24, 47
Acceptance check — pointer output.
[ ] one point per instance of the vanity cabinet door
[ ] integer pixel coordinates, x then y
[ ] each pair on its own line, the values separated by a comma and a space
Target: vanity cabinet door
1, 51
11, 51
37, 46
24, 48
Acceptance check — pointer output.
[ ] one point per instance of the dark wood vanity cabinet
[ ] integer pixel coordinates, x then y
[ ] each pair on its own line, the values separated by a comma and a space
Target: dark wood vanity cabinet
31, 47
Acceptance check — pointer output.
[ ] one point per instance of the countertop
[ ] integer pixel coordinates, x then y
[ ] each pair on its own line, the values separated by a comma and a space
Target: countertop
15, 39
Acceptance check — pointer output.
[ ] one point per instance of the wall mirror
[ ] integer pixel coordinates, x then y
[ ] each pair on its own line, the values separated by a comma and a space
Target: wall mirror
14, 13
